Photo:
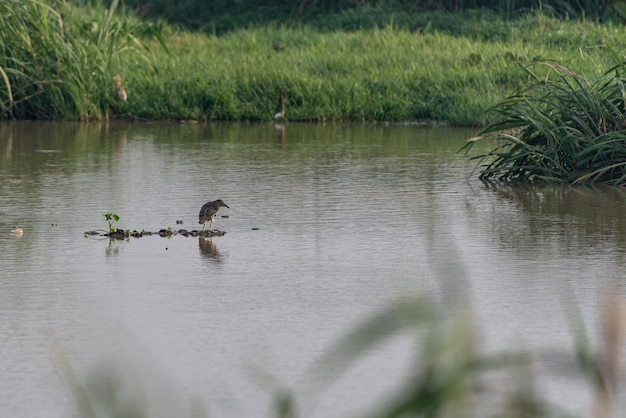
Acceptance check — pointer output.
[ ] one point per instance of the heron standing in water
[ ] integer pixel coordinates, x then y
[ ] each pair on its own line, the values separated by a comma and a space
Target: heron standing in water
208, 212
280, 109
121, 92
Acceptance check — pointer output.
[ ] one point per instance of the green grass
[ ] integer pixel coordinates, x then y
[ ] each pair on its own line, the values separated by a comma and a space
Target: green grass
221, 16
57, 63
384, 74
562, 128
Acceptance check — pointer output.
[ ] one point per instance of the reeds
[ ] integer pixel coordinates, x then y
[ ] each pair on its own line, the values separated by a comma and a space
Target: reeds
57, 65
561, 128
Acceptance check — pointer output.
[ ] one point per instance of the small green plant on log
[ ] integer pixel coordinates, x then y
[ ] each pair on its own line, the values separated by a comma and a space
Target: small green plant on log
112, 218
562, 128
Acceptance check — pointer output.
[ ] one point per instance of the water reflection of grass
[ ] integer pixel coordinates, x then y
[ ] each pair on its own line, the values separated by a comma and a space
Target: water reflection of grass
450, 376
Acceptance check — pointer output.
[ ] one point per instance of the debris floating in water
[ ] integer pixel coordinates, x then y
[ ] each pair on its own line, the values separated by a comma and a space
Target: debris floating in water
17, 232
168, 232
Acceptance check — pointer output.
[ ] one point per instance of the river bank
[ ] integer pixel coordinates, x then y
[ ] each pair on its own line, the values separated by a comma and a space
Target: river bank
383, 74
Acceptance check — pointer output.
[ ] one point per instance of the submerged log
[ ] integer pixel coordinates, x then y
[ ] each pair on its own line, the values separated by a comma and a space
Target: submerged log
121, 234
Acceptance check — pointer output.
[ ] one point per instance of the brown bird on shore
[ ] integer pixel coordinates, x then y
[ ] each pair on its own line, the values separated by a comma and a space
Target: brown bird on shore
280, 109
121, 92
208, 212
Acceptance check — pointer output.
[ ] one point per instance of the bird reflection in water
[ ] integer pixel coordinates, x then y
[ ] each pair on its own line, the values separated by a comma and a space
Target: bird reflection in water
279, 118
280, 132
209, 249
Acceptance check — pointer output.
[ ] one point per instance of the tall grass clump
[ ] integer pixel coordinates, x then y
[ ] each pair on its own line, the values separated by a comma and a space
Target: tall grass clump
561, 128
56, 64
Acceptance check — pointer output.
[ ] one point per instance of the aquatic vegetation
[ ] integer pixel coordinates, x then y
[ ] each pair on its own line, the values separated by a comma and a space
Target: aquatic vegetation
113, 232
111, 218
561, 128
169, 232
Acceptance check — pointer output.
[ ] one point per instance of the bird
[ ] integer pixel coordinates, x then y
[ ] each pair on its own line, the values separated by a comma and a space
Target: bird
121, 92
17, 232
277, 47
208, 212
280, 109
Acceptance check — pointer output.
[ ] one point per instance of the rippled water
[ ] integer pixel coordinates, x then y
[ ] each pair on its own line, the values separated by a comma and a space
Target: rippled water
327, 225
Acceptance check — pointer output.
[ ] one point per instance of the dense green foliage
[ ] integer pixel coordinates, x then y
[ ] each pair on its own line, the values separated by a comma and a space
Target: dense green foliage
562, 128
383, 74
58, 62
219, 16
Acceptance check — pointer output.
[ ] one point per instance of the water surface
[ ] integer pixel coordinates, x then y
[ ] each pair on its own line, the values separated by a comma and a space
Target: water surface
327, 225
